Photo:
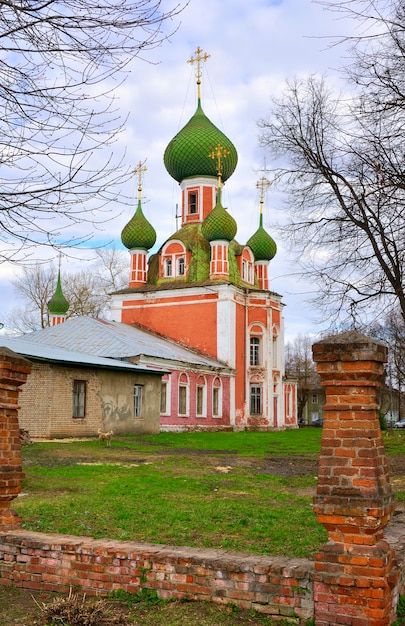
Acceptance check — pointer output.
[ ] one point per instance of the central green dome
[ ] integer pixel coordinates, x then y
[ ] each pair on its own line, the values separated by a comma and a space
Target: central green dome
188, 153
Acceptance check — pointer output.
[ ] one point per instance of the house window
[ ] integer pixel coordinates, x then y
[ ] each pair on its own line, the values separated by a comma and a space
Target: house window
255, 351
314, 398
163, 397
255, 400
201, 397
79, 398
168, 267
137, 400
181, 266
192, 203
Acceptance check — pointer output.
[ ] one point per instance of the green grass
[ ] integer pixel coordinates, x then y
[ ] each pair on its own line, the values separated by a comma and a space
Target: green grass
238, 491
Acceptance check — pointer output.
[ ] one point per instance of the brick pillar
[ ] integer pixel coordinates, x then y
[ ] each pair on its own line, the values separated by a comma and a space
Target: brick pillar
13, 373
355, 571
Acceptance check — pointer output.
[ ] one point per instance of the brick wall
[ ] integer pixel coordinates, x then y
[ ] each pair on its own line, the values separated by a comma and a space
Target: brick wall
280, 587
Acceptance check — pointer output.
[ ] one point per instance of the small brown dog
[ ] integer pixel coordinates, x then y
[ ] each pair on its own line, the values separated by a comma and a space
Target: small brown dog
105, 436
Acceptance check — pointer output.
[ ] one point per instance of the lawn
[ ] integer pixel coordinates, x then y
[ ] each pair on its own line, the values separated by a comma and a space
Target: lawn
249, 492
242, 491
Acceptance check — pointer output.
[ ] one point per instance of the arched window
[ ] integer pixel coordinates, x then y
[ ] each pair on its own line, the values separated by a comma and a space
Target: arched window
201, 397
216, 398
248, 274
173, 259
184, 396
256, 332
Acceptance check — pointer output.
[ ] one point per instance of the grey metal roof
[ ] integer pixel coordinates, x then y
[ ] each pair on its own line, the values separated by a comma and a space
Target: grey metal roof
43, 352
115, 340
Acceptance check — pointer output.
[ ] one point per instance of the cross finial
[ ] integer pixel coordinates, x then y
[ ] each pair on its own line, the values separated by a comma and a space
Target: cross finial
198, 58
263, 183
139, 170
219, 153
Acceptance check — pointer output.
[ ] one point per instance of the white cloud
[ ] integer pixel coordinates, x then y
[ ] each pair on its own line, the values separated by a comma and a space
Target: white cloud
254, 47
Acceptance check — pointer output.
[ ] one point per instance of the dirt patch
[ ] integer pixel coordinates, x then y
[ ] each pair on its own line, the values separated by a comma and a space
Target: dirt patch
25, 608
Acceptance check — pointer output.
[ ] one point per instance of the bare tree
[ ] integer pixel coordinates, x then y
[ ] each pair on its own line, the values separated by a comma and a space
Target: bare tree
342, 165
60, 62
299, 364
87, 291
391, 330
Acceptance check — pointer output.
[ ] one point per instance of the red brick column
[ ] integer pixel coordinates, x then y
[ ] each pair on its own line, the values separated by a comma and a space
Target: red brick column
355, 572
13, 373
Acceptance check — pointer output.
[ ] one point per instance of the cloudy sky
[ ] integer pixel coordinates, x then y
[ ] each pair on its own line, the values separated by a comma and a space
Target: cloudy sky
254, 47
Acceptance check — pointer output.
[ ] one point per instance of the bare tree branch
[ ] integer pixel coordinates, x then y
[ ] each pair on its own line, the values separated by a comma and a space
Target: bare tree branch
344, 172
60, 64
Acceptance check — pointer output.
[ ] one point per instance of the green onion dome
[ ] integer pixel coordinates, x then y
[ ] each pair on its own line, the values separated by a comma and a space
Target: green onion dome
138, 233
219, 224
188, 153
58, 305
262, 245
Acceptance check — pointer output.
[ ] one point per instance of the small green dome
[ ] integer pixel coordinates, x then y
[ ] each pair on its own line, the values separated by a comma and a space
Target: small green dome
262, 245
138, 233
58, 305
188, 153
219, 224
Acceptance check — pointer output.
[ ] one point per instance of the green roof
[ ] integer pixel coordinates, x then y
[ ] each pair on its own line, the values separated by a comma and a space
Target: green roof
219, 224
262, 245
138, 233
188, 153
58, 305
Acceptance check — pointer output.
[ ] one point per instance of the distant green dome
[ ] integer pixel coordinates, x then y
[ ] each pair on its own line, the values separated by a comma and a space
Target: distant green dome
138, 233
262, 245
58, 305
188, 152
219, 224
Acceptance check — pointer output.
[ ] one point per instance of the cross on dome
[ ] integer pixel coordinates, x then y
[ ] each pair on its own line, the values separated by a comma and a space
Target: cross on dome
139, 170
219, 153
263, 183
198, 58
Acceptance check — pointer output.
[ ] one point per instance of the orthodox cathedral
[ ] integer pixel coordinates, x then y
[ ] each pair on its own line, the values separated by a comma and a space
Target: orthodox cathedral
209, 293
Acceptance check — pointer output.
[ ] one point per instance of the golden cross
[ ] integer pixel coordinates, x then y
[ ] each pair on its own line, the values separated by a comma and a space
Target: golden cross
139, 170
262, 184
219, 153
199, 57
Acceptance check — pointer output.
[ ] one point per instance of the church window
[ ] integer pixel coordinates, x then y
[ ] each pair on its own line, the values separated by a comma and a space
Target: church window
192, 203
255, 400
168, 267
79, 398
248, 266
174, 260
138, 400
255, 351
181, 266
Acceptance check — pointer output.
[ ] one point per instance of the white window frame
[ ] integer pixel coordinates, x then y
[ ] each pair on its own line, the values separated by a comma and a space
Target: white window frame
256, 398
201, 387
138, 400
